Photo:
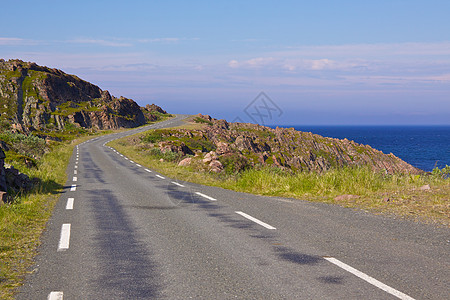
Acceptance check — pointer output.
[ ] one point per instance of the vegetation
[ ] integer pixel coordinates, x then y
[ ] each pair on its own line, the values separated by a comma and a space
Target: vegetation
375, 191
201, 120
26, 145
234, 164
23, 219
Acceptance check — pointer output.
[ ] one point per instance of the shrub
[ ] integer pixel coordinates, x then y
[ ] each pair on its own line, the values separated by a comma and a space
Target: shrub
28, 145
443, 173
234, 163
204, 145
168, 155
201, 120
153, 137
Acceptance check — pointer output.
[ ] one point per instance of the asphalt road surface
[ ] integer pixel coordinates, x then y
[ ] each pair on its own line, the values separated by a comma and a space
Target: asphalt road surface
123, 231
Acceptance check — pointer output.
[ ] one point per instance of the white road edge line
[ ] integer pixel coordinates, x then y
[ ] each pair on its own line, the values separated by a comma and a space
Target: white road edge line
73, 188
65, 237
255, 220
369, 279
69, 204
206, 196
148, 170
55, 296
138, 165
159, 176
179, 184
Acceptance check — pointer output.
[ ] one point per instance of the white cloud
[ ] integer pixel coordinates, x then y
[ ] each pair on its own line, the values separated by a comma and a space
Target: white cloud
10, 41
16, 42
233, 64
367, 50
166, 40
320, 64
257, 62
442, 77
158, 40
101, 42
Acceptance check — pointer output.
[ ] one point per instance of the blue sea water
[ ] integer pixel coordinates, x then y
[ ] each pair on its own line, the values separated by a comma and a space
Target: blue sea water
424, 147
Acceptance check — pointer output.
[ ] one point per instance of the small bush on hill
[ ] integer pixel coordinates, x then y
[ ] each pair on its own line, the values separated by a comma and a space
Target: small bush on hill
234, 163
28, 145
167, 156
153, 137
201, 120
204, 145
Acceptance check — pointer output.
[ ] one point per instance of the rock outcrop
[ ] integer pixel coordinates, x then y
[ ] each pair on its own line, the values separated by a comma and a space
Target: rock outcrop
11, 180
239, 145
33, 97
153, 112
3, 187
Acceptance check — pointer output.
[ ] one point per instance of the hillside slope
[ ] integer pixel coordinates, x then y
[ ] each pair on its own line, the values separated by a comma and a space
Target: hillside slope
231, 147
33, 97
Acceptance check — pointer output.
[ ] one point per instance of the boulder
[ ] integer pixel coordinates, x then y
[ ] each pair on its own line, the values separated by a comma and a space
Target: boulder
3, 197
215, 166
425, 187
3, 187
185, 162
16, 180
3, 146
222, 148
210, 156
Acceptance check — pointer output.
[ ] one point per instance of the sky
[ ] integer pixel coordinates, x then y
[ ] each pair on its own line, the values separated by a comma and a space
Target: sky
346, 62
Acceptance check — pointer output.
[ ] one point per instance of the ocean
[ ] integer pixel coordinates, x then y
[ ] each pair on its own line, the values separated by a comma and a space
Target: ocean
424, 147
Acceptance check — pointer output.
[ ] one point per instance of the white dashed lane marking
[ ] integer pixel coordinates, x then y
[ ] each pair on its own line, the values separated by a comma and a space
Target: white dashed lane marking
255, 220
206, 196
64, 238
55, 296
159, 176
176, 183
73, 188
369, 279
69, 204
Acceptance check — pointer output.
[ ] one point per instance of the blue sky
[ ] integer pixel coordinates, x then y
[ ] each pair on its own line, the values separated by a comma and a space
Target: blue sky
320, 62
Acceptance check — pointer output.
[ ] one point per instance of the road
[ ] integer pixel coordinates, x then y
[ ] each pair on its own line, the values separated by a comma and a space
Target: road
123, 231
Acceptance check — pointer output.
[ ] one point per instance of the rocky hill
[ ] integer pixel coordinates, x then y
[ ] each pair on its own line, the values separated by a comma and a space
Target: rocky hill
33, 98
223, 146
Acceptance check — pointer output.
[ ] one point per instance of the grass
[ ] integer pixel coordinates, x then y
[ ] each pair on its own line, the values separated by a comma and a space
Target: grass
377, 192
22, 221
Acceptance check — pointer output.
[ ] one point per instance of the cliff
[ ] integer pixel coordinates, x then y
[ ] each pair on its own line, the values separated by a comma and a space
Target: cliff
33, 97
232, 147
